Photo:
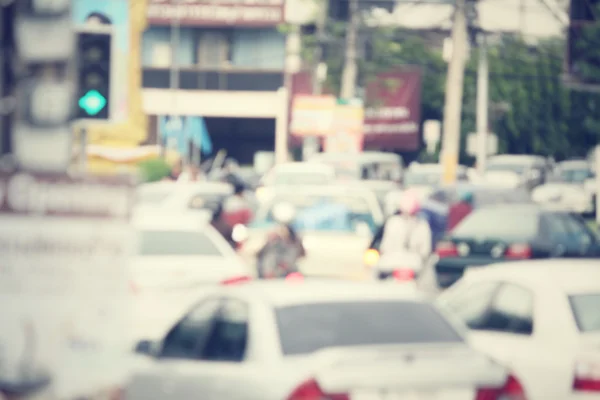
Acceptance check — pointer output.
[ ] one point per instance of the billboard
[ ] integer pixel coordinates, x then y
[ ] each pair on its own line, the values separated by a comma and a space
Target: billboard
239, 13
347, 129
312, 115
393, 110
116, 14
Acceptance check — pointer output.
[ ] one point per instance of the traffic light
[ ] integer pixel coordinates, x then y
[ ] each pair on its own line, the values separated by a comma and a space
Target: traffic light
43, 62
94, 48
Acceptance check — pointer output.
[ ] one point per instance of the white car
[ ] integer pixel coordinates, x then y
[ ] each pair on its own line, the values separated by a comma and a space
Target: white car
541, 318
565, 196
295, 173
316, 340
181, 197
177, 255
336, 224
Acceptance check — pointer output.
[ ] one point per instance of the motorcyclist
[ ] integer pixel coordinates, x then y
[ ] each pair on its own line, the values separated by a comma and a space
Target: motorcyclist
237, 209
280, 254
460, 210
219, 223
407, 230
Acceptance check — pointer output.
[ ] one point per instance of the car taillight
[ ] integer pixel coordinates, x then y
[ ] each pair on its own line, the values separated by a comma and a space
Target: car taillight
295, 277
512, 390
371, 257
518, 251
236, 280
587, 377
446, 249
403, 274
310, 390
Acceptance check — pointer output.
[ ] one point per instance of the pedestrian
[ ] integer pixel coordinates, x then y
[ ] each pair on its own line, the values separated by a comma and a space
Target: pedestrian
460, 210
407, 230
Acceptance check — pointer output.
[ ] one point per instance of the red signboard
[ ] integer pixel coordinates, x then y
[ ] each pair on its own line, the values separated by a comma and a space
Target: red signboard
253, 13
393, 110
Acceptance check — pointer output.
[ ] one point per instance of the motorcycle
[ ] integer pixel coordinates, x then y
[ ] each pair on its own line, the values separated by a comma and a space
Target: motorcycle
399, 267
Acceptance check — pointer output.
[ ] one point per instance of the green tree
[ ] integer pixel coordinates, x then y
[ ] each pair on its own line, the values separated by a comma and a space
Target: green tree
544, 117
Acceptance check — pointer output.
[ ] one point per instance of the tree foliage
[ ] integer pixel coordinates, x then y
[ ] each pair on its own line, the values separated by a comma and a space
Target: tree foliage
543, 116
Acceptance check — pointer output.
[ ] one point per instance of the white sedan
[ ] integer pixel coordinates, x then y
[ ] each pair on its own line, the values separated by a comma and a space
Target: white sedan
178, 256
183, 196
540, 318
313, 340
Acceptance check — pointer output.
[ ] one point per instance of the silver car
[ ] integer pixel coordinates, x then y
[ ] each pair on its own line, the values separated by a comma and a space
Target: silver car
306, 340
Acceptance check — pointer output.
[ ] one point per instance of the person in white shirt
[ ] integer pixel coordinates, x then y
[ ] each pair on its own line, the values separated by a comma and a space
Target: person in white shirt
406, 230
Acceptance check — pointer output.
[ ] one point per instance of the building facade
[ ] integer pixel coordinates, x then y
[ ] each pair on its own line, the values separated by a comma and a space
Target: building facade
222, 61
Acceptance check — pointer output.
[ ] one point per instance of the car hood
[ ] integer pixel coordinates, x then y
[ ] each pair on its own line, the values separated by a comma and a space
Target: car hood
174, 272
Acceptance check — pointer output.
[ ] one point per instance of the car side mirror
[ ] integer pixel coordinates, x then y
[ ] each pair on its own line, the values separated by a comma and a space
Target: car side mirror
146, 347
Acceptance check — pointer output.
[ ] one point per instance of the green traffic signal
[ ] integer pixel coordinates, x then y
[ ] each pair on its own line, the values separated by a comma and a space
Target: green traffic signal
92, 102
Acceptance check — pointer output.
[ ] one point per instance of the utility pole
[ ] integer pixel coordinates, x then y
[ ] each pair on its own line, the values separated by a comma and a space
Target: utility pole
310, 144
350, 72
174, 82
482, 104
454, 94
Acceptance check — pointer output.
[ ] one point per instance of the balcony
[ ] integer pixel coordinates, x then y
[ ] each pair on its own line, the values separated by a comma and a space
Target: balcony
214, 79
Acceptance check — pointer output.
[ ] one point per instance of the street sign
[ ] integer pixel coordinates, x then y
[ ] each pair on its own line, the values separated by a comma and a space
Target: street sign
65, 244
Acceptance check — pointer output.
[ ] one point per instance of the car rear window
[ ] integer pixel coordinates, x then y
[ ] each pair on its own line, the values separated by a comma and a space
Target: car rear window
499, 223
176, 243
586, 310
310, 327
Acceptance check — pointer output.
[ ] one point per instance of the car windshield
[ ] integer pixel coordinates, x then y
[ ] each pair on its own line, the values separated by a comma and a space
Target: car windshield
585, 310
176, 243
429, 178
328, 213
516, 168
499, 223
575, 175
307, 328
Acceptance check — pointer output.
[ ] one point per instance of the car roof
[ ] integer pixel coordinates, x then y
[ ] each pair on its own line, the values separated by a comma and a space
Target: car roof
201, 186
301, 166
365, 156
323, 190
518, 207
156, 218
572, 276
281, 293
515, 159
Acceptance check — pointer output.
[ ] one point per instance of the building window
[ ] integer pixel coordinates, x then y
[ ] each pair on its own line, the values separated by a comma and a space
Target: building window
213, 49
161, 55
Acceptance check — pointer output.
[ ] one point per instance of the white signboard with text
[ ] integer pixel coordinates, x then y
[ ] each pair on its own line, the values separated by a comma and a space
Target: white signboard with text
64, 285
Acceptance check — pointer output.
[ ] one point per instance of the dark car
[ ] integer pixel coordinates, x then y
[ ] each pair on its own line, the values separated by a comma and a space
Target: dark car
483, 195
512, 232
